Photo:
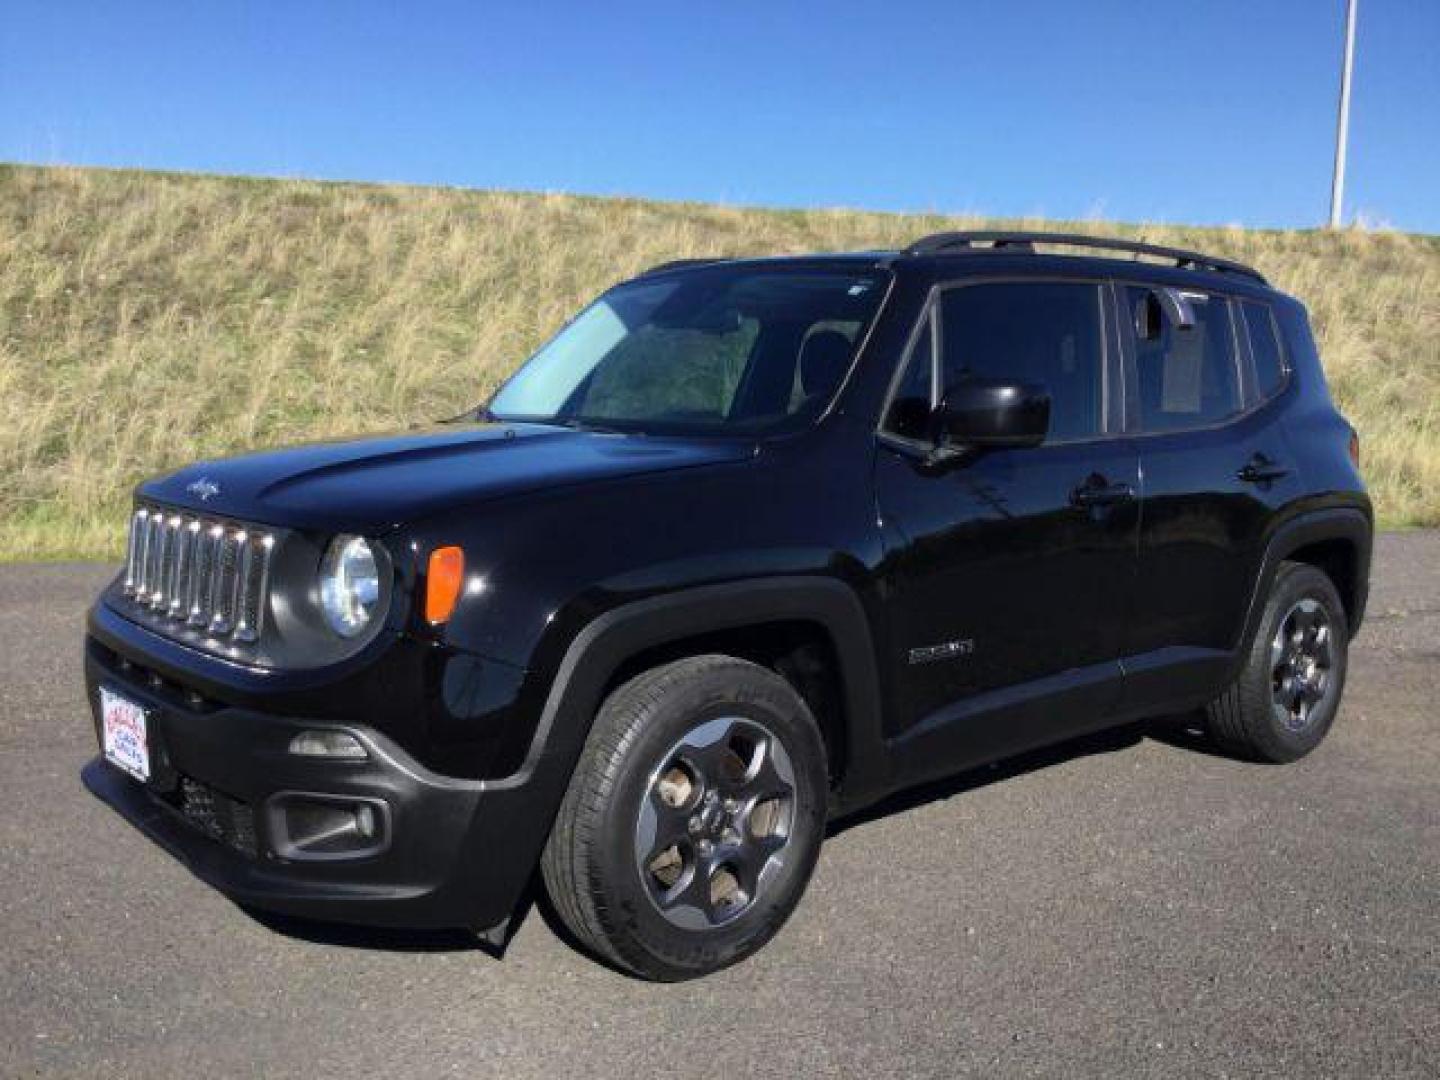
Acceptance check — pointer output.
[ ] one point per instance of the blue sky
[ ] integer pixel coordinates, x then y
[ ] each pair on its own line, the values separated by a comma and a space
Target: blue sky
1211, 111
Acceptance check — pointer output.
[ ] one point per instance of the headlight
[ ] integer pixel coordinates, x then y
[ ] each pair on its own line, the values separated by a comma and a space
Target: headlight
349, 585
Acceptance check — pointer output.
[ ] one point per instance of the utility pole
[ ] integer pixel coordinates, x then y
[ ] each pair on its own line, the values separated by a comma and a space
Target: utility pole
1342, 133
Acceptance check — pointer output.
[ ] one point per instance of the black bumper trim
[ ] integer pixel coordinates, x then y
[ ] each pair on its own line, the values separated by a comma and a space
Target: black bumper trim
461, 854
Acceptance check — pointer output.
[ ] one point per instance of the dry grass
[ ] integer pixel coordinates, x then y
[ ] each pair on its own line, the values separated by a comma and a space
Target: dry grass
147, 320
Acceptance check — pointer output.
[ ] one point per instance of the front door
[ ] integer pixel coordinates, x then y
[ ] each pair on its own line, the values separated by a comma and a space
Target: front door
1009, 573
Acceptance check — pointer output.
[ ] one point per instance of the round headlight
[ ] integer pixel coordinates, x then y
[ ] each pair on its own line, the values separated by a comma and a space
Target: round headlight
349, 585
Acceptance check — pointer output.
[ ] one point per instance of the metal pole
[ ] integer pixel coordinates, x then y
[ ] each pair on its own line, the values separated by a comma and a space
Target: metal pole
1342, 133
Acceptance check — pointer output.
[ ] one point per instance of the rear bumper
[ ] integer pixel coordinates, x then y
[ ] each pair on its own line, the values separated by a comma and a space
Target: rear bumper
453, 852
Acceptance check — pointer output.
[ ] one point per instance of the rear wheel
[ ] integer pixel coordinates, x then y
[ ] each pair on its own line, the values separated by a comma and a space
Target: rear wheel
1285, 698
693, 820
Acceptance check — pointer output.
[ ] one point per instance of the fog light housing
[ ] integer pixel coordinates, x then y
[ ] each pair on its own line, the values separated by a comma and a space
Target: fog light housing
367, 822
325, 828
328, 744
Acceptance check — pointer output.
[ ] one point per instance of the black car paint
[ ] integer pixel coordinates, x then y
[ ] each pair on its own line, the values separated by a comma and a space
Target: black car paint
585, 550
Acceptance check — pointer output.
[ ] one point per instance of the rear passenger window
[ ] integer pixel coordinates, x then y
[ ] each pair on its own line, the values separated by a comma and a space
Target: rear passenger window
1042, 332
1187, 376
1264, 348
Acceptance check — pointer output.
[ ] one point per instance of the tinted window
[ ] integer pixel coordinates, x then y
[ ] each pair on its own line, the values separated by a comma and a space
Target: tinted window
1186, 375
725, 349
909, 412
1045, 332
1264, 348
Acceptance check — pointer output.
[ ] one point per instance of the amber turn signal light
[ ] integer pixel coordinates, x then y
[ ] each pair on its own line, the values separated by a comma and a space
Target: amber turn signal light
442, 583
1355, 448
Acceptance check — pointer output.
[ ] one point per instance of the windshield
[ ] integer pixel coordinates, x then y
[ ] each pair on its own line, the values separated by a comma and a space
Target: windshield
726, 349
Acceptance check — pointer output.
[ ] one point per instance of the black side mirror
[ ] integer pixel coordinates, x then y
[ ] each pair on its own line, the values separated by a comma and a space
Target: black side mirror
996, 413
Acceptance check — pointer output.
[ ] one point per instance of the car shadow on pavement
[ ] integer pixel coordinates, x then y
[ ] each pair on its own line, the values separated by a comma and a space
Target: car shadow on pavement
1183, 732
382, 938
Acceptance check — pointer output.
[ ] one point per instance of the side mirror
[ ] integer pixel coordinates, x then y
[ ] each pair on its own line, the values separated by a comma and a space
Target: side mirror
993, 413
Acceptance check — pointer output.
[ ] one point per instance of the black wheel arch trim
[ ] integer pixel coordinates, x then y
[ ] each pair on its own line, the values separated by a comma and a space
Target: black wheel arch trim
529, 798
1348, 524
598, 651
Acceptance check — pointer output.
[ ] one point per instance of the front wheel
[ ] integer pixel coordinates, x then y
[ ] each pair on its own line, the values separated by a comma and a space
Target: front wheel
693, 820
1285, 697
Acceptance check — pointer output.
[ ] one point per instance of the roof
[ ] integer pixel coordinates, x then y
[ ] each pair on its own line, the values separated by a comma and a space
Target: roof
996, 242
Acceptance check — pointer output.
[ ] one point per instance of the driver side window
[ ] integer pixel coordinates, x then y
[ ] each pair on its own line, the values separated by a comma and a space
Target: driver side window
1037, 332
1047, 332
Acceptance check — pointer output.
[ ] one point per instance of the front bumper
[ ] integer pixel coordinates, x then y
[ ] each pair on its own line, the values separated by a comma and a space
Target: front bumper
455, 852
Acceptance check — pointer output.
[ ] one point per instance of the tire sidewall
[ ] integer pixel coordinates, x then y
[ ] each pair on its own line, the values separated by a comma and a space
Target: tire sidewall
1296, 582
746, 693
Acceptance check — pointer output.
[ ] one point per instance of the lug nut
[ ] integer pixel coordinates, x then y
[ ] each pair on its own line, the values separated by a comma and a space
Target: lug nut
695, 825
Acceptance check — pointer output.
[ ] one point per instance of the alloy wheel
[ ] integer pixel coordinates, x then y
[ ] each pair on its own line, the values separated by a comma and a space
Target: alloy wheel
1302, 664
714, 822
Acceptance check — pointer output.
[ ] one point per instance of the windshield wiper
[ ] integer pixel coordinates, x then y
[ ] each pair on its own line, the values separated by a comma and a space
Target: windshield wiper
577, 423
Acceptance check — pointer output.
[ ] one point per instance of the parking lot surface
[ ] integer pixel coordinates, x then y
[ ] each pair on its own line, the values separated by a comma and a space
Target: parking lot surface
1131, 905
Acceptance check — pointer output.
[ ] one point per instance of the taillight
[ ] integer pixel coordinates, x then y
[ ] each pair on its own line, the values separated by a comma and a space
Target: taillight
1355, 448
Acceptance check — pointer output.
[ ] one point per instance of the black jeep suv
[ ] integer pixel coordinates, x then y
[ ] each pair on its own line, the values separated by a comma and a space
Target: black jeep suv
749, 544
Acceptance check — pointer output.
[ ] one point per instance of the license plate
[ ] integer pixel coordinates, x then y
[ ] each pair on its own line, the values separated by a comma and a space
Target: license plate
122, 732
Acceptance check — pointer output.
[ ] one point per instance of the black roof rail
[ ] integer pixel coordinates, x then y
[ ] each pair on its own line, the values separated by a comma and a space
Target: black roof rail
677, 264
1003, 240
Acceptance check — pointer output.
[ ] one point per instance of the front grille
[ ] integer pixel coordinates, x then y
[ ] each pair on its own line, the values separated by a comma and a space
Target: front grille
200, 573
223, 819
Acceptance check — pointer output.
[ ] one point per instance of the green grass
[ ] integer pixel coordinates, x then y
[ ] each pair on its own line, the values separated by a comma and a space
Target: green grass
150, 319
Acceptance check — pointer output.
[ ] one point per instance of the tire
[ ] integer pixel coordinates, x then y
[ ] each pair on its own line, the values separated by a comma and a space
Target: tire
1285, 697
720, 756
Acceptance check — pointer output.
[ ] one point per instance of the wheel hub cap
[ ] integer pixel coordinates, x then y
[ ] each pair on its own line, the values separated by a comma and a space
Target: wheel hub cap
714, 822
1301, 659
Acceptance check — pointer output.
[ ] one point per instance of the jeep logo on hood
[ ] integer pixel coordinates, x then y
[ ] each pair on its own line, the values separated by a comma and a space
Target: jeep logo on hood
203, 489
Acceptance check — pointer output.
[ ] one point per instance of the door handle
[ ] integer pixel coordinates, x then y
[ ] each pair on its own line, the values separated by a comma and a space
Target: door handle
1261, 470
1097, 491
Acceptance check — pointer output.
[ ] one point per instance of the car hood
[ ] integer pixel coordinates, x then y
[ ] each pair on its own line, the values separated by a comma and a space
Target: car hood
371, 484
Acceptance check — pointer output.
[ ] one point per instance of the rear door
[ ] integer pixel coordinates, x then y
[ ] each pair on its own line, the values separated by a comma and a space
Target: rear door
1214, 469
1009, 573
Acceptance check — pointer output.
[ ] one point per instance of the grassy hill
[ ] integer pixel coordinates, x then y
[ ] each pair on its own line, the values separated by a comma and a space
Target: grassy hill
147, 320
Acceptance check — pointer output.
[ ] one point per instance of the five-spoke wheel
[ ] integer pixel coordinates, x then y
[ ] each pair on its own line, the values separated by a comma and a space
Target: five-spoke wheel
714, 822
693, 819
1284, 697
1301, 659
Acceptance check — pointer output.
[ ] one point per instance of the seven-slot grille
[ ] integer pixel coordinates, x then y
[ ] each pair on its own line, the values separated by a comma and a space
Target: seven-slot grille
206, 574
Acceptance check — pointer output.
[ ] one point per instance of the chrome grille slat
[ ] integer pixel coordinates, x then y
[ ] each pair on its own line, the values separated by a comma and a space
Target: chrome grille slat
154, 536
199, 574
180, 568
222, 587
169, 552
134, 551
207, 544
247, 615
189, 552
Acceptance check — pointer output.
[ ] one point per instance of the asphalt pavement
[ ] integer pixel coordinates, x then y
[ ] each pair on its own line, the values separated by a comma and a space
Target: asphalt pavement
1127, 906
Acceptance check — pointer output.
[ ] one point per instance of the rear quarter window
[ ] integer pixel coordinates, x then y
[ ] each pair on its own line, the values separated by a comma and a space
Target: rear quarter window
1266, 352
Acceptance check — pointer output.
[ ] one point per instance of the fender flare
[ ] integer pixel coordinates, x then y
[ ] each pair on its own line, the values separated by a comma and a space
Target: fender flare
1341, 523
505, 843
610, 639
